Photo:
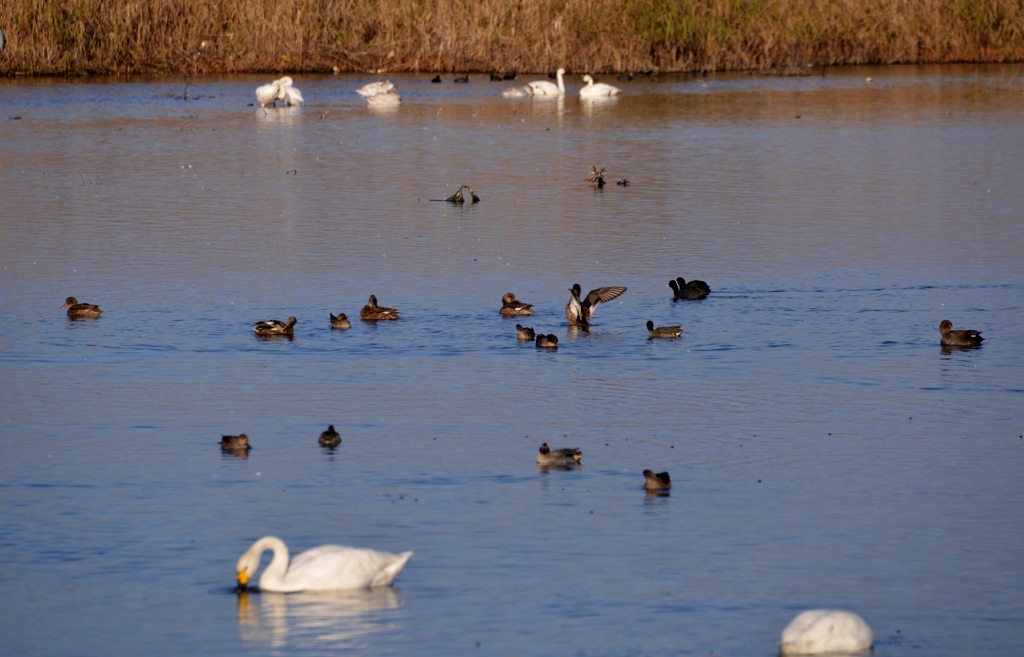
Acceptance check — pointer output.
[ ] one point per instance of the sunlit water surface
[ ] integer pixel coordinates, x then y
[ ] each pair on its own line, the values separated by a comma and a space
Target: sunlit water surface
824, 450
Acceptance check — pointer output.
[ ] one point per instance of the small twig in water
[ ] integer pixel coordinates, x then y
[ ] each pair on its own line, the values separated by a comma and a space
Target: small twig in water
596, 177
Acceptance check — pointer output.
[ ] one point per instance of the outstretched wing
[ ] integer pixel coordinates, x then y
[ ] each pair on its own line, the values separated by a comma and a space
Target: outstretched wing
602, 295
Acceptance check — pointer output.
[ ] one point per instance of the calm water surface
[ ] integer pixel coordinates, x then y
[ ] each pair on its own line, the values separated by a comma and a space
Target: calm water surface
825, 451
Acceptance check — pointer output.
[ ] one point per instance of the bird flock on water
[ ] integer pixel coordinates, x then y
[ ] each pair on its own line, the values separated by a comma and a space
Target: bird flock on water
335, 567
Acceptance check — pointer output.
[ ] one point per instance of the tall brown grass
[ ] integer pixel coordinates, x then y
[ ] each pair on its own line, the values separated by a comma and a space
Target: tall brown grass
204, 36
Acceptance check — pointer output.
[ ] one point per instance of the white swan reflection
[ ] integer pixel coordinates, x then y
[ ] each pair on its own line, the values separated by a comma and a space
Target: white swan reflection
330, 619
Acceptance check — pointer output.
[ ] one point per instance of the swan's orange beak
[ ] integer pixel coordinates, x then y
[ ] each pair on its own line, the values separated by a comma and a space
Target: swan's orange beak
243, 578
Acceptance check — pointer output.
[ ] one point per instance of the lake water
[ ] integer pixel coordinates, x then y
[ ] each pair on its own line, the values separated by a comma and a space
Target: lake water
824, 450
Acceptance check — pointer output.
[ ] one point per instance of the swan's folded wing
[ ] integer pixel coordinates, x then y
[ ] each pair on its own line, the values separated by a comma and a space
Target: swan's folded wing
336, 567
603, 295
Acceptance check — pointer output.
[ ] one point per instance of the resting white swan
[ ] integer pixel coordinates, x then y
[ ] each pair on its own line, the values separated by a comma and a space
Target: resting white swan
268, 93
819, 631
324, 568
389, 98
599, 90
517, 92
374, 88
290, 95
545, 88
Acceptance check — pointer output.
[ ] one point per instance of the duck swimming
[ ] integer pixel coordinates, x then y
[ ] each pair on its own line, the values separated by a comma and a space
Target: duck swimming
509, 306
371, 312
273, 327
694, 290
950, 338
663, 331
660, 481
549, 341
831, 631
578, 313
548, 456
340, 322
525, 332
330, 438
235, 443
324, 568
76, 309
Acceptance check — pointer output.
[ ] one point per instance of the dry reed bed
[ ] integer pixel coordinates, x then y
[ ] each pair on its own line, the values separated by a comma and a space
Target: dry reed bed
204, 36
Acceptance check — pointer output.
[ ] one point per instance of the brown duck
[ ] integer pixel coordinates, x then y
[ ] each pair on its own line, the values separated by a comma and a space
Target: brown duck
330, 438
962, 338
509, 306
340, 322
76, 309
235, 443
663, 331
525, 332
548, 456
549, 341
372, 312
578, 312
658, 481
272, 327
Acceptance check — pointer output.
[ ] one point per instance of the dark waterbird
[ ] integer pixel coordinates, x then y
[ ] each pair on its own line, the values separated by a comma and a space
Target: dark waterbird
463, 80
274, 327
371, 312
549, 341
437, 79
76, 309
340, 322
239, 443
525, 332
625, 77
495, 78
694, 290
663, 331
660, 481
578, 312
548, 456
330, 438
509, 306
961, 338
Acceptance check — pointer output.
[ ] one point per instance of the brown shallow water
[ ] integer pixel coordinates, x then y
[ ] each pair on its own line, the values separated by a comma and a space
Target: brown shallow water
824, 450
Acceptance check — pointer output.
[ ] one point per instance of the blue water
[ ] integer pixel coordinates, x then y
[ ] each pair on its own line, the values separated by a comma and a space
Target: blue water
825, 451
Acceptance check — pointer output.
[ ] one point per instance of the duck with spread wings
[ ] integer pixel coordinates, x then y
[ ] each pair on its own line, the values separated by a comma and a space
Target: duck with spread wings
578, 312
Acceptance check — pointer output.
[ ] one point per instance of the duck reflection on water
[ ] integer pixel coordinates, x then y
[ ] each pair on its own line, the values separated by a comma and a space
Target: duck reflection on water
325, 620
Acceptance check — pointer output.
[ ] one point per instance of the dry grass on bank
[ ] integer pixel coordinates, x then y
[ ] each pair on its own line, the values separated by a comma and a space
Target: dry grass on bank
168, 36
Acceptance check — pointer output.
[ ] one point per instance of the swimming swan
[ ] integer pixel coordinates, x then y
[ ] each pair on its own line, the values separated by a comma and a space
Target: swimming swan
324, 568
280, 89
819, 631
545, 88
599, 90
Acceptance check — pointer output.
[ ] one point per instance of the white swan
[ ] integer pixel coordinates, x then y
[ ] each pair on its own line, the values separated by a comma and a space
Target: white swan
324, 568
819, 631
375, 88
599, 90
268, 93
545, 88
517, 92
389, 98
290, 95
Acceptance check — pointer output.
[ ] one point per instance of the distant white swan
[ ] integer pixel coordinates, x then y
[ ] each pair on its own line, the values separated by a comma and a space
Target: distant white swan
517, 92
268, 93
545, 88
290, 95
374, 88
599, 90
380, 93
280, 89
324, 568
819, 631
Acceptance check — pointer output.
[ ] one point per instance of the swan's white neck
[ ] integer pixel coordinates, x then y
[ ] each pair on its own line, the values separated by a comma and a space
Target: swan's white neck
273, 577
561, 85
